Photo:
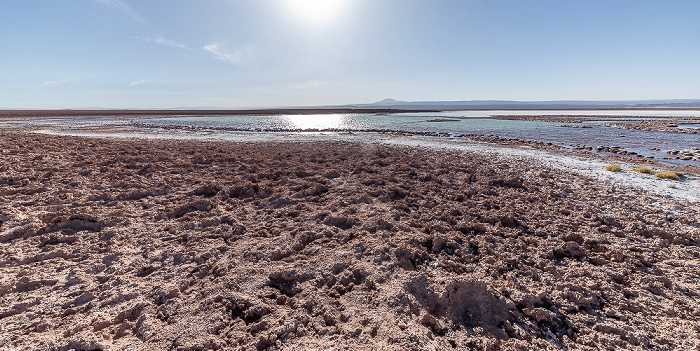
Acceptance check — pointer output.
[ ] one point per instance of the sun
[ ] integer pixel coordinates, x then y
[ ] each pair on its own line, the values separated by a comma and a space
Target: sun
316, 11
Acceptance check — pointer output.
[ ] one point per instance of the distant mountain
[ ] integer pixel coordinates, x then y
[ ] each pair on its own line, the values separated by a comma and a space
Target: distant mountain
528, 105
390, 102
393, 104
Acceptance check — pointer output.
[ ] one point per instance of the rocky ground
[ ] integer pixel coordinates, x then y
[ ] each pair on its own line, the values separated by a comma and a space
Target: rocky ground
671, 126
184, 245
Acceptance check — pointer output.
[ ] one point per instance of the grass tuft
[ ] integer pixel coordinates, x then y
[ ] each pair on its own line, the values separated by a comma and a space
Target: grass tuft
642, 170
673, 175
613, 168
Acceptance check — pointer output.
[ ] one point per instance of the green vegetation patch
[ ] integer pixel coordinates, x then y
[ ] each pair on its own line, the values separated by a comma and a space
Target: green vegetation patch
669, 175
613, 168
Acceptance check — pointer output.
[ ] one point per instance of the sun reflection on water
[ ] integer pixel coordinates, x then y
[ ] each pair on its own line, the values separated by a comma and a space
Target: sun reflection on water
320, 122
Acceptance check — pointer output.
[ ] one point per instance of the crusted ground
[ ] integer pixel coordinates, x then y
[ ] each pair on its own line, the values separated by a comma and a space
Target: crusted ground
136, 244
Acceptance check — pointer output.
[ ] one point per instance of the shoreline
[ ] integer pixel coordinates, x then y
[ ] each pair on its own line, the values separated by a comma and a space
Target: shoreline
33, 114
145, 114
395, 243
683, 156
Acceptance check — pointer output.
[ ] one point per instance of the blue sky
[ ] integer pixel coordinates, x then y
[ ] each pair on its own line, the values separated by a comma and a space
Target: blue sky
270, 53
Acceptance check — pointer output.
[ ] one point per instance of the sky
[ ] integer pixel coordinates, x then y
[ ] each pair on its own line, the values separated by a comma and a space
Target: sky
274, 53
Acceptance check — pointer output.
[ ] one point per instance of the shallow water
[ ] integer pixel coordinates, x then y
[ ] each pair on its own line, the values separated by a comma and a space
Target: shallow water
596, 133
579, 113
66, 120
354, 122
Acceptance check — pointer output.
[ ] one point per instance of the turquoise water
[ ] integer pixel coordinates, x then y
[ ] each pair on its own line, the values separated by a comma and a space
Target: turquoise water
353, 122
450, 121
581, 113
641, 142
456, 124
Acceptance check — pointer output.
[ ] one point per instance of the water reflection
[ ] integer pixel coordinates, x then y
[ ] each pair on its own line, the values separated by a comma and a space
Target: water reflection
645, 143
331, 121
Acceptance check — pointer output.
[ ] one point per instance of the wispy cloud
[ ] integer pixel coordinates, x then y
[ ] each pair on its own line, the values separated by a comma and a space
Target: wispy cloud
240, 57
160, 40
137, 82
61, 81
123, 7
308, 85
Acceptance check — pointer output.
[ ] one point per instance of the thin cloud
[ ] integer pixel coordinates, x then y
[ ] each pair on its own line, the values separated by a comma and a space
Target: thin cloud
56, 82
123, 7
240, 57
137, 82
160, 40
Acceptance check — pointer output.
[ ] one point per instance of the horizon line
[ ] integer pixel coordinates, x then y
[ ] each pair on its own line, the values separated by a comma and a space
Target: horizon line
397, 103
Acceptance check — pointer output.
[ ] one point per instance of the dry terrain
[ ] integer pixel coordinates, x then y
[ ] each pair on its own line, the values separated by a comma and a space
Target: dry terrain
186, 245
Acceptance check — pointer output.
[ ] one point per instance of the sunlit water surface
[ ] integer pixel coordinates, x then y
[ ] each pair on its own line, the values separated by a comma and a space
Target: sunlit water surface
455, 123
470, 122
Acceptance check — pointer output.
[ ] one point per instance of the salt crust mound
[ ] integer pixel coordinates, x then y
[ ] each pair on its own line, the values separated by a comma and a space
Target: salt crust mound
143, 245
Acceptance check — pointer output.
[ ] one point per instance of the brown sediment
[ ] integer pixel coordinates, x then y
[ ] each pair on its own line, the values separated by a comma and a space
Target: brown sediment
186, 245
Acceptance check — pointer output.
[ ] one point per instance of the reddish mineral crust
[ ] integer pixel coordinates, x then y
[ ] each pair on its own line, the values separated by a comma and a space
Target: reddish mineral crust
185, 245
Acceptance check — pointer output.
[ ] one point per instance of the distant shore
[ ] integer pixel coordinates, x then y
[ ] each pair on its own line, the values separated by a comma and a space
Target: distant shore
79, 113
140, 126
32, 114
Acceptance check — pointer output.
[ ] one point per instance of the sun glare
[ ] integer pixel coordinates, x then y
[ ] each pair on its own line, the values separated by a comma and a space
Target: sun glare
316, 11
332, 121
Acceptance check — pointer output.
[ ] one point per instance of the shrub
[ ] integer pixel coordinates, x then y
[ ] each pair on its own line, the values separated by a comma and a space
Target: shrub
613, 168
642, 170
669, 175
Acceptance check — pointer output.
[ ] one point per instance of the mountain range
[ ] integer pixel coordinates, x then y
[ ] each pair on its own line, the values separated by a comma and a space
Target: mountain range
528, 105
391, 104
